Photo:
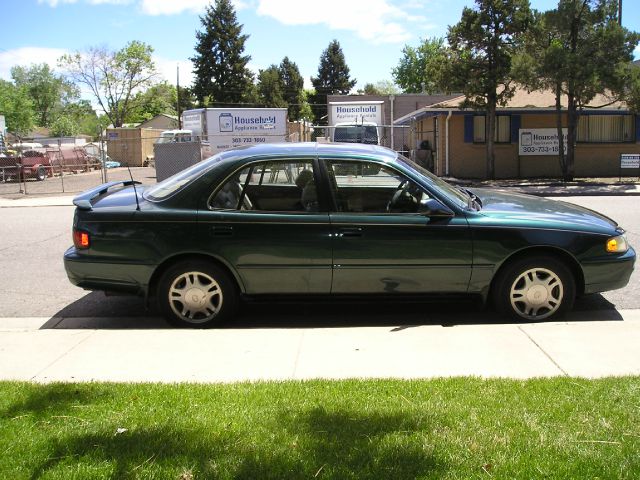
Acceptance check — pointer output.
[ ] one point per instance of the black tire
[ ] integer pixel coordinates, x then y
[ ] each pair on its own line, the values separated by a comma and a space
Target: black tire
534, 289
41, 174
183, 290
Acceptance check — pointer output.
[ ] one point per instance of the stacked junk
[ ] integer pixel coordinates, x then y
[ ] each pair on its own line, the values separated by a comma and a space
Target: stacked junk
39, 163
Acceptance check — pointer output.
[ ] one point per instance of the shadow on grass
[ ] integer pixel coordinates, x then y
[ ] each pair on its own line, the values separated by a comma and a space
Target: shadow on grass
57, 398
320, 444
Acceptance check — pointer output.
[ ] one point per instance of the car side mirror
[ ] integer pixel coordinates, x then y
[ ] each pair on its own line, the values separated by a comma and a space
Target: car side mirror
432, 208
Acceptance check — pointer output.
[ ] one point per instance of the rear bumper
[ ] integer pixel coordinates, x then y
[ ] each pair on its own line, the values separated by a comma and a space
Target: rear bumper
112, 277
608, 273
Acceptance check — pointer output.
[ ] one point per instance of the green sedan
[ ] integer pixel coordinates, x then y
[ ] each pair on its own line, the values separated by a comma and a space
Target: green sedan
330, 220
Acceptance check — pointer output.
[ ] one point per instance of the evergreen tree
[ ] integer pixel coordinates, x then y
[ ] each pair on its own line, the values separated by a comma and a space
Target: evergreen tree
333, 78
293, 87
220, 68
271, 87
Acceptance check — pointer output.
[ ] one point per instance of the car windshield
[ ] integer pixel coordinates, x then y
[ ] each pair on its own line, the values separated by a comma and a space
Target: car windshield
173, 184
458, 197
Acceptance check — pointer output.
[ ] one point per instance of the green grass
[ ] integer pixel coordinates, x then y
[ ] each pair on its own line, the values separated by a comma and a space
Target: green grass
449, 428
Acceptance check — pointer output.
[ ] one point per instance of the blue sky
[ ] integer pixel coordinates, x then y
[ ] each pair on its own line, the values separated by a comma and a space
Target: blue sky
372, 33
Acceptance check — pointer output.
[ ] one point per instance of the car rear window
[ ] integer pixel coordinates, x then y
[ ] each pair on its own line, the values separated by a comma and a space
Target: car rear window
166, 188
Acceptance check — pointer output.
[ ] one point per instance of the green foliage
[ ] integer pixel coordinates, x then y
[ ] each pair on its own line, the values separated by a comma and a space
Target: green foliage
383, 87
631, 74
113, 77
306, 112
422, 69
158, 99
49, 92
333, 78
271, 87
293, 92
220, 68
555, 54
17, 107
482, 46
63, 126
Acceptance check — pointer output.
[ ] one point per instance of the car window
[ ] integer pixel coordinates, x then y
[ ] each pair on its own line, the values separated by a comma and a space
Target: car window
362, 187
277, 186
175, 183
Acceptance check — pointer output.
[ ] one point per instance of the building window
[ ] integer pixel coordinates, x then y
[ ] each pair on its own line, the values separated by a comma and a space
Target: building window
606, 129
502, 133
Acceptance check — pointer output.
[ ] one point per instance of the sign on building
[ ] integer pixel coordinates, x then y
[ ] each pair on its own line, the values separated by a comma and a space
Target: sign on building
356, 112
628, 160
540, 141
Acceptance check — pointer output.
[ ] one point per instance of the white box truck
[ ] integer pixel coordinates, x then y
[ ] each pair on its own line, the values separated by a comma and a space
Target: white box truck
225, 128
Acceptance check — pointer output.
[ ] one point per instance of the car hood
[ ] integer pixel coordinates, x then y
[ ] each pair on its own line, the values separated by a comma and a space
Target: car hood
518, 208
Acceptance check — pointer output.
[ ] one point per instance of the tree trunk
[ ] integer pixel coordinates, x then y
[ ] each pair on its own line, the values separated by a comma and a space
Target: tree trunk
489, 136
561, 157
572, 123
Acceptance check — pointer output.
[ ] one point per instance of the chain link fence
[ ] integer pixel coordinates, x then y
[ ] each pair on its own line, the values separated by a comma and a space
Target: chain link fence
150, 155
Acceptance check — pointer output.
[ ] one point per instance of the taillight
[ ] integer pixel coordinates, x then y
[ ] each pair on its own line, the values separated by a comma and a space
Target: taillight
81, 239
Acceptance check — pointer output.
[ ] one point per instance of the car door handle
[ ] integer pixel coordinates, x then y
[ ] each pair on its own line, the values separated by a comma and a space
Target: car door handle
221, 231
350, 232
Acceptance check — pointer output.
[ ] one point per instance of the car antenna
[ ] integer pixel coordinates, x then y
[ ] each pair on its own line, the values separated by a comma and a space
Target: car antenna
135, 192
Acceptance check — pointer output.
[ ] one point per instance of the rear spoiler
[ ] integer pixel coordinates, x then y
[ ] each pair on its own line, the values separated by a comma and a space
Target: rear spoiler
83, 201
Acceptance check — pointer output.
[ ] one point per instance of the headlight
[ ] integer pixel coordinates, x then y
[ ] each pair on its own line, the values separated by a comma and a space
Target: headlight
617, 244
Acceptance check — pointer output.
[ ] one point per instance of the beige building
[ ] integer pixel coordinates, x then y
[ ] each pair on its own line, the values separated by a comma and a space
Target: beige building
526, 137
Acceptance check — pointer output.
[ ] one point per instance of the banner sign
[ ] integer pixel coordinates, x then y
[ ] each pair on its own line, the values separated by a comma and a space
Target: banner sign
540, 141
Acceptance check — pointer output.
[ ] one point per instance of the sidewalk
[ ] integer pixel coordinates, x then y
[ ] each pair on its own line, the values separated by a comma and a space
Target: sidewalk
586, 344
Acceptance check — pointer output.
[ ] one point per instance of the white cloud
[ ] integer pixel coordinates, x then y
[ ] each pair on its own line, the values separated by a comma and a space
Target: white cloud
636, 52
172, 7
26, 56
167, 70
377, 21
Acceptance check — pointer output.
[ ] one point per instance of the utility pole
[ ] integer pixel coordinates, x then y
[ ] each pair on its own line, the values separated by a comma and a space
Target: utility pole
620, 12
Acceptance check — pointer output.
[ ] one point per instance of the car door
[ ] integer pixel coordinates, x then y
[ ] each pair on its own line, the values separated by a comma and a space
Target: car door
266, 222
382, 243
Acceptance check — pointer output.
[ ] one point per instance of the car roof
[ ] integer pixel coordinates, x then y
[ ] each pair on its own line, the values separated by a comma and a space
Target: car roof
310, 149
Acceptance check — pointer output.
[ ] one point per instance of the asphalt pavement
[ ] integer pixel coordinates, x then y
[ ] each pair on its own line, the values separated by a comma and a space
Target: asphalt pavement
296, 344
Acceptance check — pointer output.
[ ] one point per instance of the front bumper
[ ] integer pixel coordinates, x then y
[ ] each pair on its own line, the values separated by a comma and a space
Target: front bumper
608, 273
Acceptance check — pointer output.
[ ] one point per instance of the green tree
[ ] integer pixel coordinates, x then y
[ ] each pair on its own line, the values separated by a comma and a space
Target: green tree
482, 46
293, 87
113, 77
383, 87
333, 78
63, 126
422, 69
220, 68
271, 87
17, 107
554, 58
49, 92
159, 98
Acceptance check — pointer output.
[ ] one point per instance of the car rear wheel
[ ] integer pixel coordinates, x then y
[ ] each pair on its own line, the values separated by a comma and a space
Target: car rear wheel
197, 294
533, 289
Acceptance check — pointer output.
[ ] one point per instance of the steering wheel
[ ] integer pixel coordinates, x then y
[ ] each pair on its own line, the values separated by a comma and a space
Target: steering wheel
402, 191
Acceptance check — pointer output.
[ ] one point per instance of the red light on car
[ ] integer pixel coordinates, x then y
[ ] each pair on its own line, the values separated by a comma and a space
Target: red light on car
81, 239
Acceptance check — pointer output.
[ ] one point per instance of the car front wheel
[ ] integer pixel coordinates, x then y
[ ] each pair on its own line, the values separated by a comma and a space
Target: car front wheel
533, 289
197, 294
